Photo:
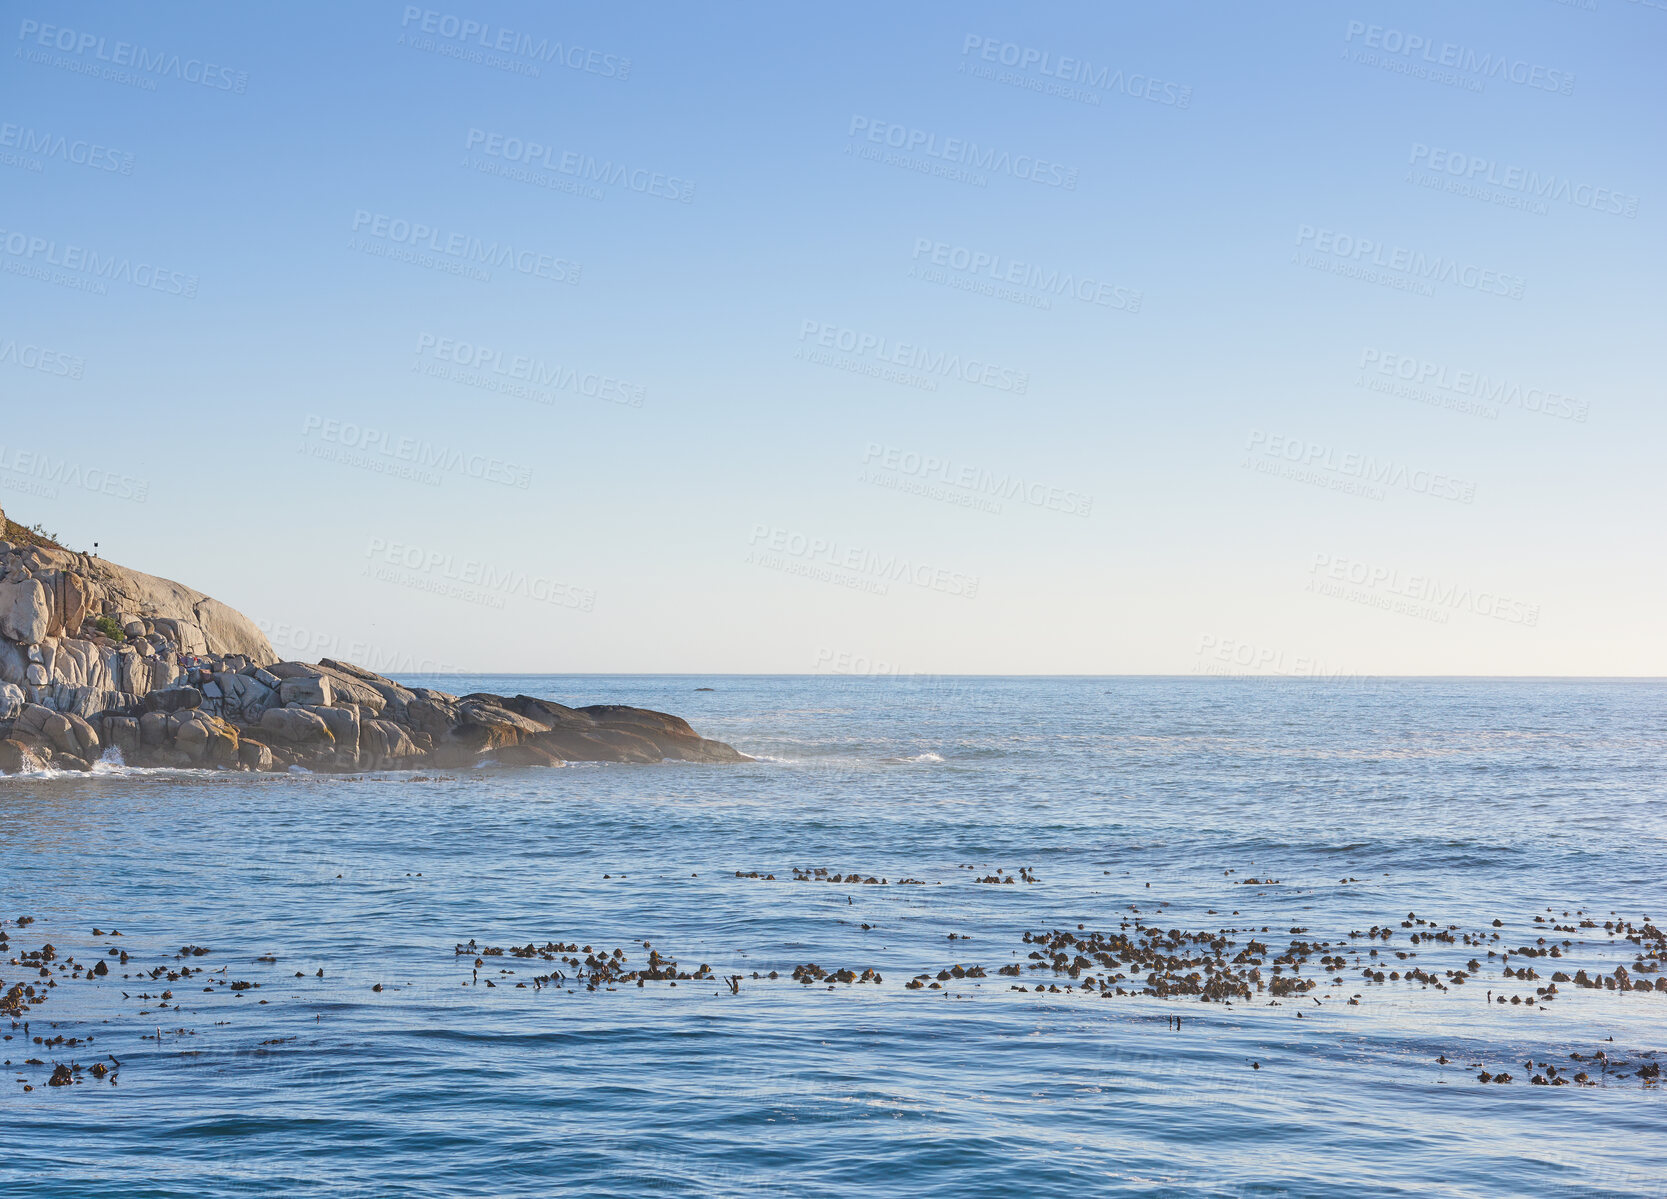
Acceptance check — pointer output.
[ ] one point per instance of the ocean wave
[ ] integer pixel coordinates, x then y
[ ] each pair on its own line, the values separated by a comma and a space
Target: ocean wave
110, 764
848, 763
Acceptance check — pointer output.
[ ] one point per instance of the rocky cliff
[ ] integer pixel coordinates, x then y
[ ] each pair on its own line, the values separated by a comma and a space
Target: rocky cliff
96, 658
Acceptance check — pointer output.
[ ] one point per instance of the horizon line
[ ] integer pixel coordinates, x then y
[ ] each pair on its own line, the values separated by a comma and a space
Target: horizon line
1335, 678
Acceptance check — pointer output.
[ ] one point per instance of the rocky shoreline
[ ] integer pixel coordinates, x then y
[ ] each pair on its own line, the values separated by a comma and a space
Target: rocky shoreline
95, 658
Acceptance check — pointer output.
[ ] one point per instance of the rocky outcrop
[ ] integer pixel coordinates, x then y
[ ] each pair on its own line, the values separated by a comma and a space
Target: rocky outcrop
83, 635
220, 712
97, 658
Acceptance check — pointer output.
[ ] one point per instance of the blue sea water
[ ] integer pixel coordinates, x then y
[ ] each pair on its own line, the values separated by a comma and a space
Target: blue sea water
1460, 801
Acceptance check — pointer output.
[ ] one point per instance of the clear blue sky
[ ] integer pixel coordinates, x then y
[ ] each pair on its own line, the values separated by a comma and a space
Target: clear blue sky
1300, 338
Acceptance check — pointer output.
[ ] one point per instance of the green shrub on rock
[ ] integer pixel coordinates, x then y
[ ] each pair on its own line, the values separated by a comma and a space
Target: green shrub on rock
110, 627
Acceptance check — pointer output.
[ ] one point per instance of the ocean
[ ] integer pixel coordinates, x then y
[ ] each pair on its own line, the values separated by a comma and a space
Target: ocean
1008, 817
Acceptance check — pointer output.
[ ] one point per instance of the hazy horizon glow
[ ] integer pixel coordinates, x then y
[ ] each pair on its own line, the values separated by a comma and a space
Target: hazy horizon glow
1312, 342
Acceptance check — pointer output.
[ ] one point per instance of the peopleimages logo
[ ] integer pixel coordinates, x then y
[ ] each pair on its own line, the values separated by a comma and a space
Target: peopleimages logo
497, 581
387, 453
1078, 72
315, 644
466, 251
912, 356
1432, 57
1463, 385
518, 375
963, 153
583, 168
90, 270
45, 474
1415, 590
845, 662
1470, 174
1359, 471
972, 481
1050, 281
125, 54
852, 566
40, 358
1365, 256
466, 31
1230, 656
78, 151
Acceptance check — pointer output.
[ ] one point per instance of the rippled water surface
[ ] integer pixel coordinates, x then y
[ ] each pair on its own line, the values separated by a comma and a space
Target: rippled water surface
1461, 801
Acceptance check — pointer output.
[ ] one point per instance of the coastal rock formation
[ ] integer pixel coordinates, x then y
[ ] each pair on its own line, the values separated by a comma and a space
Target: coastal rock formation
95, 657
